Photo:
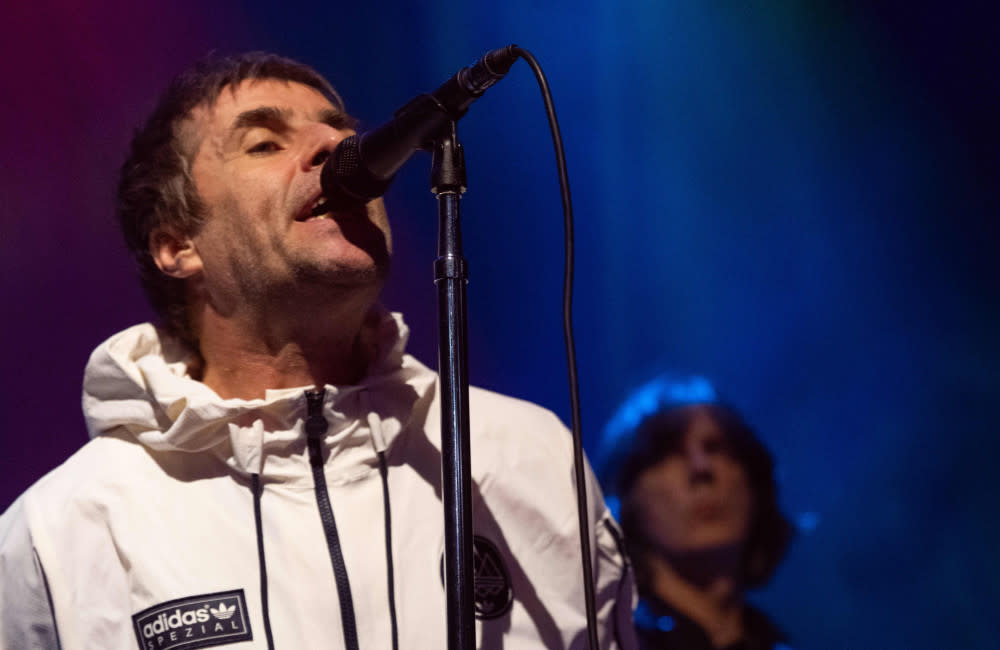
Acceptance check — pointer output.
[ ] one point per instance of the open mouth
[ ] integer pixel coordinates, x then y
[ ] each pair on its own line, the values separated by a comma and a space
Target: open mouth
323, 209
320, 210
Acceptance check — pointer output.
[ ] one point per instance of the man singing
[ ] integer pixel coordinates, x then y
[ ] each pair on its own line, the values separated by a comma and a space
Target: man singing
264, 468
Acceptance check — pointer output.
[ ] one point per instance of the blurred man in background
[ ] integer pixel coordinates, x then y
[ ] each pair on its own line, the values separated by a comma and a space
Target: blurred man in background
698, 506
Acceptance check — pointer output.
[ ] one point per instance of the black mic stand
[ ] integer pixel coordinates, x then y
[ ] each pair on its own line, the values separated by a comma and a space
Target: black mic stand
451, 276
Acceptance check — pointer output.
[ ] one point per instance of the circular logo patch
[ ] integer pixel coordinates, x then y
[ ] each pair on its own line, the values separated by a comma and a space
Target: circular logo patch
493, 593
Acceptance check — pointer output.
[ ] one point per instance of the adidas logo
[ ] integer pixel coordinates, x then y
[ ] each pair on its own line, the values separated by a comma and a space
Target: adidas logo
194, 622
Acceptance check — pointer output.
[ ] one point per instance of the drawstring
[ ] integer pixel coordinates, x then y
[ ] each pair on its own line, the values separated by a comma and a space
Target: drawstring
316, 426
255, 484
378, 441
383, 470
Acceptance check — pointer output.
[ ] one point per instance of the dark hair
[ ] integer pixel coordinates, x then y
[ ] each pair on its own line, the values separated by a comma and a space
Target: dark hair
650, 425
155, 188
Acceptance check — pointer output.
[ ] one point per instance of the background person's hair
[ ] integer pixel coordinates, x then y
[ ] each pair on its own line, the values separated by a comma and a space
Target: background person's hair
649, 425
155, 188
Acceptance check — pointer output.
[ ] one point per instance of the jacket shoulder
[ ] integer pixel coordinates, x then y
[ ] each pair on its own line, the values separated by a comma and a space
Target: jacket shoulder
109, 469
510, 434
104, 462
494, 414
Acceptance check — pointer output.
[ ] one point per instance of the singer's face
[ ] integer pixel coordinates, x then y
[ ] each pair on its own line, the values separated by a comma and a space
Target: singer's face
259, 154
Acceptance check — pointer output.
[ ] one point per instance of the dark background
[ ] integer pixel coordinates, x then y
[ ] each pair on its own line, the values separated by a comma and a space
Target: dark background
798, 200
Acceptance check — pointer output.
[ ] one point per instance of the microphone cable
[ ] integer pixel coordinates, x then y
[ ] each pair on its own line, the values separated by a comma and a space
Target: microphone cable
574, 390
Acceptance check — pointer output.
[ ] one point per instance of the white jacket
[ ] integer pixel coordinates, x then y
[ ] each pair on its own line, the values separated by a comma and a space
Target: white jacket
149, 535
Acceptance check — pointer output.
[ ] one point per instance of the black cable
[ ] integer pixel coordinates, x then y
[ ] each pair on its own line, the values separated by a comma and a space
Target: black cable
574, 390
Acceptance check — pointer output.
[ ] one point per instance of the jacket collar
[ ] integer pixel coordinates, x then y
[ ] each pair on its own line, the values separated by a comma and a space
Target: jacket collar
138, 381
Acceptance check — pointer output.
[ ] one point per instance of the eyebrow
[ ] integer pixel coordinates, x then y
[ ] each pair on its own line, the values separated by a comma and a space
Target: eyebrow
270, 117
277, 119
337, 119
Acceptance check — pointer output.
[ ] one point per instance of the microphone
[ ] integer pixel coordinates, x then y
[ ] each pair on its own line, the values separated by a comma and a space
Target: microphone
362, 166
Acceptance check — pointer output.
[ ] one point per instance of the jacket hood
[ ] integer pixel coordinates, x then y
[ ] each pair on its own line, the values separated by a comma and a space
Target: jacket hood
139, 381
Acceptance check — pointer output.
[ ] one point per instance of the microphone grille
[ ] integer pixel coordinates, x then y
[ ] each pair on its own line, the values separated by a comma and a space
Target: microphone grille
339, 169
346, 158
345, 179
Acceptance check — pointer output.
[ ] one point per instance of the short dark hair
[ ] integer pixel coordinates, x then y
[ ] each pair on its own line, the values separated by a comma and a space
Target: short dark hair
650, 425
155, 188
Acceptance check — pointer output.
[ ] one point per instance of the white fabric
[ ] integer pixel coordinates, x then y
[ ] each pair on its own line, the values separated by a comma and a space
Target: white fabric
158, 506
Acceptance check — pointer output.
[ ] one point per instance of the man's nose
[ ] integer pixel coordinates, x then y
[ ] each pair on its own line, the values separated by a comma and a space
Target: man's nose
319, 141
700, 465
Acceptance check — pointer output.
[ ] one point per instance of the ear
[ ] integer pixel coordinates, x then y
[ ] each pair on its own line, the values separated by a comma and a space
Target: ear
174, 255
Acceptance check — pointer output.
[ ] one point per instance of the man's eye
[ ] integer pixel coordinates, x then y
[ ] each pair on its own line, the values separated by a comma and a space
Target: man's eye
717, 446
267, 146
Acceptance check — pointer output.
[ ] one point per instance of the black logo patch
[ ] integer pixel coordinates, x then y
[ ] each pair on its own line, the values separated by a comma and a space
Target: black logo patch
491, 582
194, 622
493, 593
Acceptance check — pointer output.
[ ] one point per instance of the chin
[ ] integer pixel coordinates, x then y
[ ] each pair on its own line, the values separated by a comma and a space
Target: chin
359, 264
711, 540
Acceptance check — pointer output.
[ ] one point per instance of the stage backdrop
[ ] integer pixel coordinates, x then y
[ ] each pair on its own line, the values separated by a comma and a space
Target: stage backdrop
798, 201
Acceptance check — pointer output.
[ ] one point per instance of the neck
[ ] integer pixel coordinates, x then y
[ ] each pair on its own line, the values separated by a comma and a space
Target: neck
247, 353
709, 594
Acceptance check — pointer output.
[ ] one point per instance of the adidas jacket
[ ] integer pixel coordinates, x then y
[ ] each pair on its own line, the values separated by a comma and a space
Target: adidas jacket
304, 520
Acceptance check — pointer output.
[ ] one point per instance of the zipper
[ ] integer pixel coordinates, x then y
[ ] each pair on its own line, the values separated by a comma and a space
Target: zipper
316, 426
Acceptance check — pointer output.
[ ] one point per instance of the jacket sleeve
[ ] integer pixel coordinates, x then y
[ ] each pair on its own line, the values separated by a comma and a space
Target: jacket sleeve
26, 617
616, 595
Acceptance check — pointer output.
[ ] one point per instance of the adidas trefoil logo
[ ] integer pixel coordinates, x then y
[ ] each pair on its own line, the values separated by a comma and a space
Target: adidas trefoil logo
222, 612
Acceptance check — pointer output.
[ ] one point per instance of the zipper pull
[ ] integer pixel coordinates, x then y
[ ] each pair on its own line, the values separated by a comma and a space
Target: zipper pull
316, 424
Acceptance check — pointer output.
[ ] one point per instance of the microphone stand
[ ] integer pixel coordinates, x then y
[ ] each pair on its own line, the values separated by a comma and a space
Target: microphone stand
451, 276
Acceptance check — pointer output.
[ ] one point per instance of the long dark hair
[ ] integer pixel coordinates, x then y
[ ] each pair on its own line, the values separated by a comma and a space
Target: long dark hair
650, 425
